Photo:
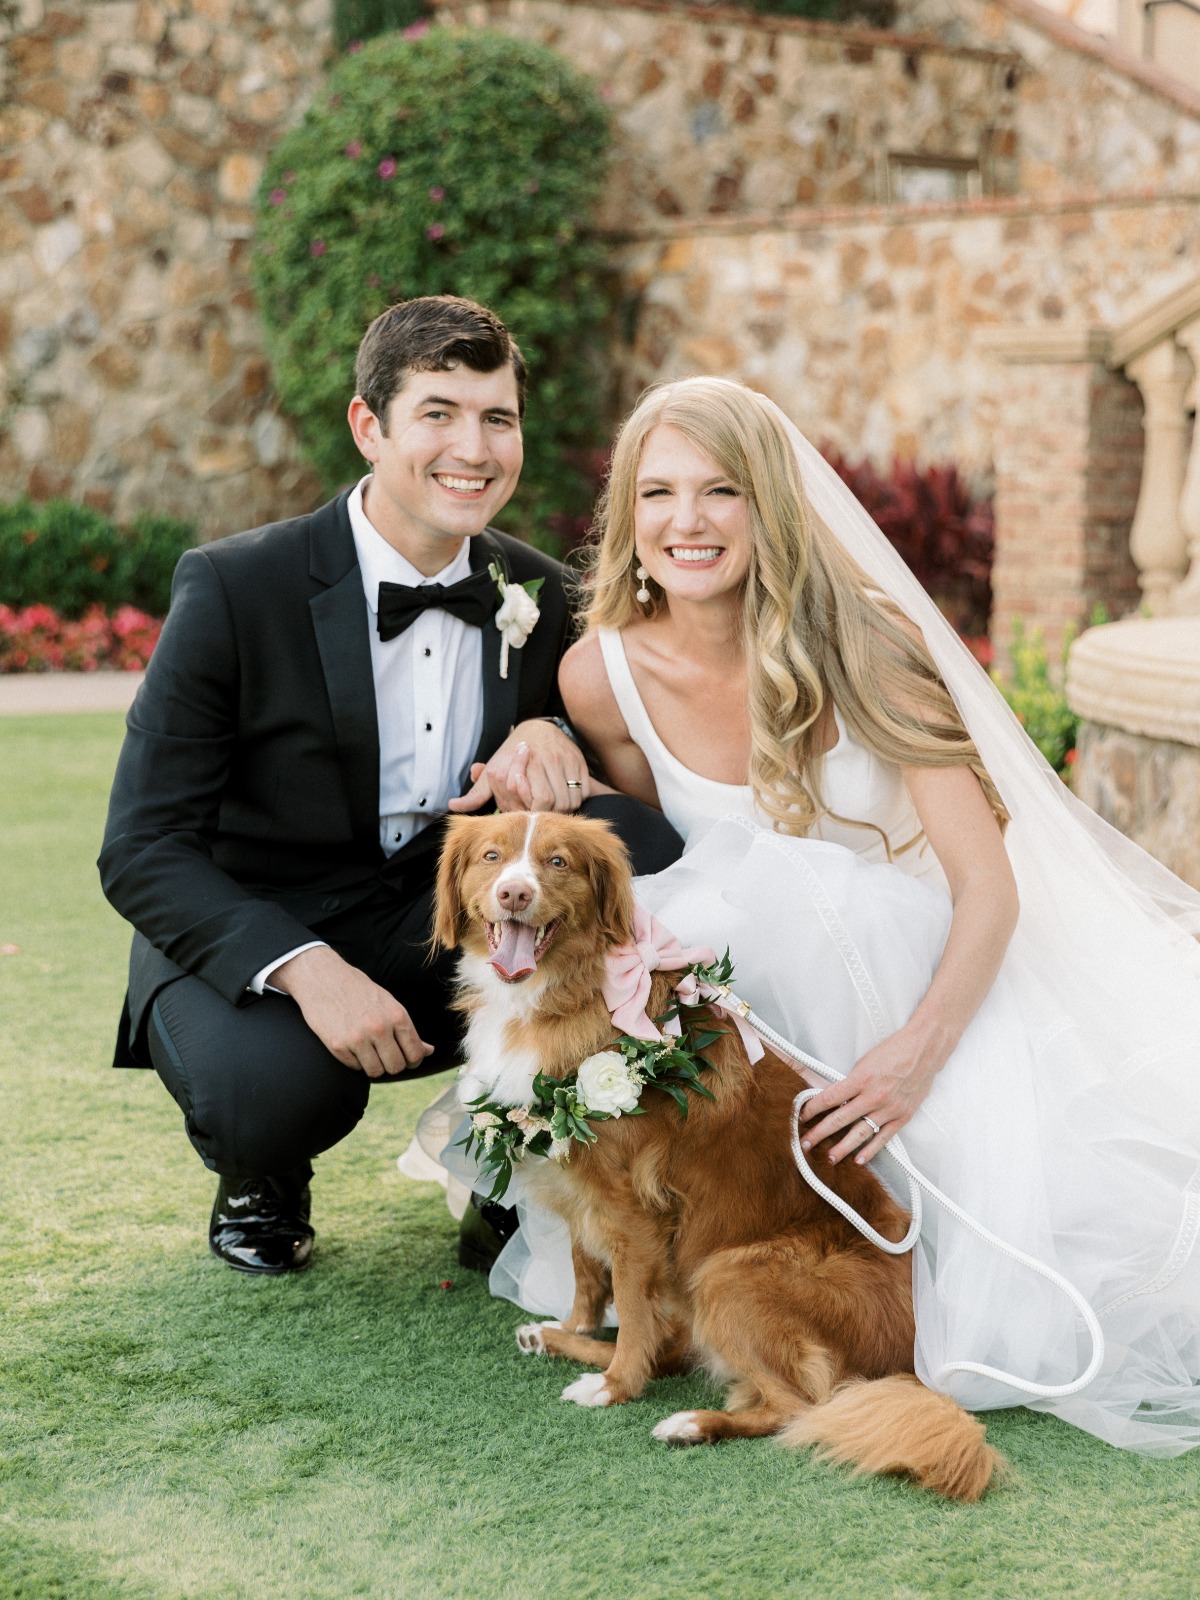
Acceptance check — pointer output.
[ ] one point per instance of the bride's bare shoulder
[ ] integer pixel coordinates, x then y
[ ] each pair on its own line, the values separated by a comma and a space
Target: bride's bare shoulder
586, 691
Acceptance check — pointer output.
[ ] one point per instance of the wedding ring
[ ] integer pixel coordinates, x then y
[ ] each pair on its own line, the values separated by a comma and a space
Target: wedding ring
874, 1126
573, 783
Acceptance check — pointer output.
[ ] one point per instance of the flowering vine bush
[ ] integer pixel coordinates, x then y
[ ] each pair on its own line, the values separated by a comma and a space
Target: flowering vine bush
437, 162
38, 639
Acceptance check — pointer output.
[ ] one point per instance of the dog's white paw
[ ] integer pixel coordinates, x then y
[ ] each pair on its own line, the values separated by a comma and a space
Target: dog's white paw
529, 1337
588, 1390
679, 1429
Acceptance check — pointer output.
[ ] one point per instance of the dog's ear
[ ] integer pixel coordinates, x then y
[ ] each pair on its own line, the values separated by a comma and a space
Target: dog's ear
447, 903
612, 883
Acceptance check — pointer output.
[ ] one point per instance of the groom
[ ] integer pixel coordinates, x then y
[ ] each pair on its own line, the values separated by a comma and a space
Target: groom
323, 693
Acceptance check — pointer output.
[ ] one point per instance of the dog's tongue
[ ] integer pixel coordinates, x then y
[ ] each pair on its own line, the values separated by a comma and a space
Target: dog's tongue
514, 957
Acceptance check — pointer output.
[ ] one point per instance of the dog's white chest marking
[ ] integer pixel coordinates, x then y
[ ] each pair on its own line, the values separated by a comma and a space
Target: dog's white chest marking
493, 1067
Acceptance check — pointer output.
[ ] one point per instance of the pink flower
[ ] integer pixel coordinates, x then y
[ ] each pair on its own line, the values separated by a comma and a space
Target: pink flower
317, 247
353, 150
434, 231
437, 192
277, 196
49, 643
416, 30
387, 167
354, 47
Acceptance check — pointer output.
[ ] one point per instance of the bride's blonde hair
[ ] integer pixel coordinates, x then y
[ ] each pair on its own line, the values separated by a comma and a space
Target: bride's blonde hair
812, 621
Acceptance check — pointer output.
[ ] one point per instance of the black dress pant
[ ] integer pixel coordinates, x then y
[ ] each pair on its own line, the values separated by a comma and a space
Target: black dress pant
259, 1092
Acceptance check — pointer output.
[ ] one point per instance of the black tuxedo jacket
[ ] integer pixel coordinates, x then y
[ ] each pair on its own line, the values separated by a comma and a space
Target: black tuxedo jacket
246, 799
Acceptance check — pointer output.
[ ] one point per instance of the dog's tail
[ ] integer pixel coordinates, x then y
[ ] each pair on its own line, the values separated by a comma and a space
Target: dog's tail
897, 1425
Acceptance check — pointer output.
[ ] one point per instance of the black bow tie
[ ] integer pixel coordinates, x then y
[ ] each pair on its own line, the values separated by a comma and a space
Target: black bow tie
472, 600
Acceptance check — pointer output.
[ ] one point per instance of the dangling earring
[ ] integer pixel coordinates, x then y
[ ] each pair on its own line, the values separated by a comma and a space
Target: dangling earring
643, 593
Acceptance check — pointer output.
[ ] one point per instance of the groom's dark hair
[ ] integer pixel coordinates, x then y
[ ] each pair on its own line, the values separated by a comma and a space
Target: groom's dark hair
432, 334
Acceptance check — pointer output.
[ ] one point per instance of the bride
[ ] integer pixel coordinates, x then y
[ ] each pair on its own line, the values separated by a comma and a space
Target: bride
909, 894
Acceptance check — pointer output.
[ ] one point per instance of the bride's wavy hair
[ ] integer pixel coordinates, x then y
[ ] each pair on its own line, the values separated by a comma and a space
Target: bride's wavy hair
813, 623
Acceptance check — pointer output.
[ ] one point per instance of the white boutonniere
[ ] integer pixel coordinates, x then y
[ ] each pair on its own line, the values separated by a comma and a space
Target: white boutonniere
518, 614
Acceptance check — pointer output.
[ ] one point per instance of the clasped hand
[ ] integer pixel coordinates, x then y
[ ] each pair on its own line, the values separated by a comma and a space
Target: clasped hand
886, 1085
537, 768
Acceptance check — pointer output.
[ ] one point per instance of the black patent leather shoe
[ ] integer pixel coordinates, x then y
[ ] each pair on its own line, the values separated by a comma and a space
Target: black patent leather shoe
483, 1232
261, 1225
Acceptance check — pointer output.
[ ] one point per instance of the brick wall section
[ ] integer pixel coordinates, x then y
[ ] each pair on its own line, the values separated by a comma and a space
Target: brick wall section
132, 137
1068, 464
1114, 476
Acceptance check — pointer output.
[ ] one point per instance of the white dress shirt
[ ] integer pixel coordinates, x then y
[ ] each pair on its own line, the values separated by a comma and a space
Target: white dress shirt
428, 697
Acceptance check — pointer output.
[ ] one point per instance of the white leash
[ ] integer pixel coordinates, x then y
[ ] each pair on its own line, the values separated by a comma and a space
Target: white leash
916, 1182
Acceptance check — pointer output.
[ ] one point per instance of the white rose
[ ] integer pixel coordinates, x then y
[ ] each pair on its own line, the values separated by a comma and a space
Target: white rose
607, 1082
517, 616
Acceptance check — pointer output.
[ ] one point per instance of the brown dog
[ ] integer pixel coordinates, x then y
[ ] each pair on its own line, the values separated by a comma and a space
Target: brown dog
712, 1246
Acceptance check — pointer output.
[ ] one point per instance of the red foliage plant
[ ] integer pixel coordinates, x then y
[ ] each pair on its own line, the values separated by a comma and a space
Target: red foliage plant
944, 532
37, 639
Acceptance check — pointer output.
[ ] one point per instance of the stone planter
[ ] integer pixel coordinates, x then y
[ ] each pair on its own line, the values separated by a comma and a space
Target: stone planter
1136, 685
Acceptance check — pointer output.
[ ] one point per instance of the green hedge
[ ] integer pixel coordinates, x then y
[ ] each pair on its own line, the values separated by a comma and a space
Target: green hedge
70, 557
355, 21
464, 163
359, 20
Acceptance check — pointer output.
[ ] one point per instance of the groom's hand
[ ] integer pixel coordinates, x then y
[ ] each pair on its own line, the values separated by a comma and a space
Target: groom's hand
537, 768
361, 1024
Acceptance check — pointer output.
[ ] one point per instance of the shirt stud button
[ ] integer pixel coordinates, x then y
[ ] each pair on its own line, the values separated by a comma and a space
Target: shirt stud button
429, 727
399, 836
427, 651
422, 800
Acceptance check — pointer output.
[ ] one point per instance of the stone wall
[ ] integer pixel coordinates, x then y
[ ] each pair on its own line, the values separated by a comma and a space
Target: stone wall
744, 214
1148, 789
866, 324
716, 114
132, 137
754, 245
1136, 687
719, 113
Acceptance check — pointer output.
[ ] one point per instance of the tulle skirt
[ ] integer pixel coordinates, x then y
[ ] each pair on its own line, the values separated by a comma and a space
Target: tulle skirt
1066, 1123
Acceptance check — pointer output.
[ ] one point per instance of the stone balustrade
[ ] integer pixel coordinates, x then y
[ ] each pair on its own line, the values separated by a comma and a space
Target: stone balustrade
1160, 351
1135, 683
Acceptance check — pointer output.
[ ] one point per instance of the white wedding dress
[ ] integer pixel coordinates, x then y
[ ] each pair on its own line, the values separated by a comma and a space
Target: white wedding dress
1079, 1147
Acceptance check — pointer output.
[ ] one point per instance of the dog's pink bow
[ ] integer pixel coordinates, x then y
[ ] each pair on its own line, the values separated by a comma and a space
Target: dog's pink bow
655, 948
627, 978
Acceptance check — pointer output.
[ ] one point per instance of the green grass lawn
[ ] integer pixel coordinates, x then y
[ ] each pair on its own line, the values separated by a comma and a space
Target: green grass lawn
169, 1428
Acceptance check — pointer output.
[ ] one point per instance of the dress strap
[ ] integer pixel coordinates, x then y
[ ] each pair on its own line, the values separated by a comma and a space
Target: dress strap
625, 693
